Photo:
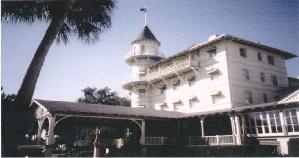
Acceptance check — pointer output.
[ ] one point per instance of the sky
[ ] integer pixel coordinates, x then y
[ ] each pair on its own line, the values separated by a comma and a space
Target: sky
177, 24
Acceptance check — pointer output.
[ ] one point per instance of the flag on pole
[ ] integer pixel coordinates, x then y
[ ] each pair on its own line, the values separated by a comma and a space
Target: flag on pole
143, 9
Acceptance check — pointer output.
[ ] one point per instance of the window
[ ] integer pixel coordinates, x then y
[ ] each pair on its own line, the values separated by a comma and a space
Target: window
246, 74
248, 97
275, 124
190, 80
263, 122
212, 52
274, 81
141, 92
142, 49
270, 60
265, 97
162, 89
243, 52
291, 120
213, 99
259, 56
175, 84
262, 77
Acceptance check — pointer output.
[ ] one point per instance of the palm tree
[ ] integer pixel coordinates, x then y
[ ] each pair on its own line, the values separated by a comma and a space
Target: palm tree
68, 18
85, 19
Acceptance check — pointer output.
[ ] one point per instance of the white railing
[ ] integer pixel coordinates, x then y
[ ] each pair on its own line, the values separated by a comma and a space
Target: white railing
192, 140
219, 140
154, 140
179, 65
132, 54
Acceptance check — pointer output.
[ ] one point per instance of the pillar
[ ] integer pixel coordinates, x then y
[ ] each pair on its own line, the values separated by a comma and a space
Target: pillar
232, 121
50, 139
284, 146
39, 130
238, 130
142, 138
202, 127
283, 123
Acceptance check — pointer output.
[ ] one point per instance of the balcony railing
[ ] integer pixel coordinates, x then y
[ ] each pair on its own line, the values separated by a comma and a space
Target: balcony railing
177, 67
191, 140
130, 55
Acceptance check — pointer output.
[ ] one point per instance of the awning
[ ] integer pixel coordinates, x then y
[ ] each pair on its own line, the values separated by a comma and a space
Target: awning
177, 102
142, 72
215, 93
162, 104
175, 82
162, 86
190, 78
212, 70
193, 97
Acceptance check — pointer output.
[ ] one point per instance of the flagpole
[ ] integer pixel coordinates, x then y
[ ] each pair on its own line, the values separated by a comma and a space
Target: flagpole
145, 22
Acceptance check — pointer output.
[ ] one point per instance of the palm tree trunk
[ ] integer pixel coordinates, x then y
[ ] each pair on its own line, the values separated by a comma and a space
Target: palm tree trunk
26, 90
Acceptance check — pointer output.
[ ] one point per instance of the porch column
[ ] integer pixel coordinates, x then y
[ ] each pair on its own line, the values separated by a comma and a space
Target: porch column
202, 127
142, 139
232, 121
50, 139
283, 124
238, 130
39, 129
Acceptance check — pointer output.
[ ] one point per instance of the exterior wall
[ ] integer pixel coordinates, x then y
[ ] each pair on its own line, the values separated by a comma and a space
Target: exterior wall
239, 84
201, 87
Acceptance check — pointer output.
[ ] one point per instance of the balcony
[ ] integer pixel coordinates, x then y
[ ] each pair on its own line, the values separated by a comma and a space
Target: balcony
175, 68
129, 58
128, 83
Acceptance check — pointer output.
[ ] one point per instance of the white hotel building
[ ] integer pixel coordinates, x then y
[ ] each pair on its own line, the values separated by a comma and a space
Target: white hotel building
225, 91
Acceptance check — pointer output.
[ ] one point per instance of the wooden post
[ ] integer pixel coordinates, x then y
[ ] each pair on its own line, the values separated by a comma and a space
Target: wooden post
96, 144
202, 127
50, 140
39, 130
283, 123
142, 139
232, 120
238, 130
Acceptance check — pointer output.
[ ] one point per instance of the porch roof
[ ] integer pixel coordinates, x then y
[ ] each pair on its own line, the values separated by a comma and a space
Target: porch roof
83, 109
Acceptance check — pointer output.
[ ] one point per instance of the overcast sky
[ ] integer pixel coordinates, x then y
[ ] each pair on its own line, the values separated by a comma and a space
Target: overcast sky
176, 23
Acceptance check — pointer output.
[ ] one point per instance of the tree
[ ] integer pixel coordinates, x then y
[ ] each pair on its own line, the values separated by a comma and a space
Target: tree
84, 19
102, 96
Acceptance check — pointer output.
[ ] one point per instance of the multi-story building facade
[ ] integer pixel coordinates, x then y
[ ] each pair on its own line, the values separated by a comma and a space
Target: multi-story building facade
224, 72
225, 91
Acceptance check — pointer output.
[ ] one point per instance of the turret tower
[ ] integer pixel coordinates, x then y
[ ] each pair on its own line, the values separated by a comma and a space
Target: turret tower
145, 53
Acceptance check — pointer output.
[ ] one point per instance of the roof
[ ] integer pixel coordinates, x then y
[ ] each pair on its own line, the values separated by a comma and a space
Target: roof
146, 34
83, 109
72, 108
285, 54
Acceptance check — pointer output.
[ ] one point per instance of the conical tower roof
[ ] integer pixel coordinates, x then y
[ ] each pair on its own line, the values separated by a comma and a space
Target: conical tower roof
146, 34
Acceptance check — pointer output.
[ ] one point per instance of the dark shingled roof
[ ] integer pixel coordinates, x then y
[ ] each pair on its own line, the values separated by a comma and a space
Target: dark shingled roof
72, 108
146, 34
